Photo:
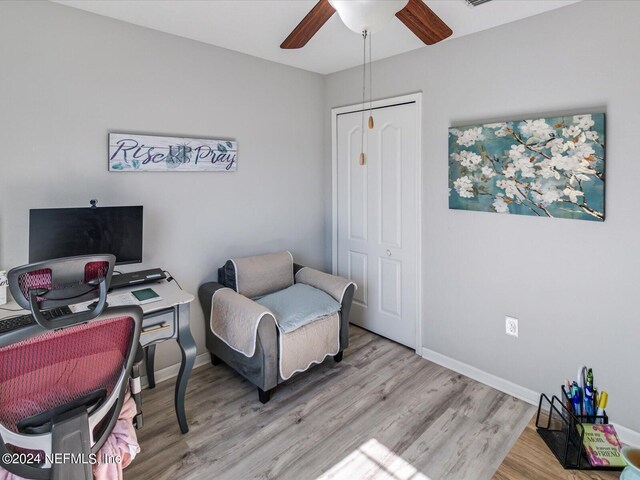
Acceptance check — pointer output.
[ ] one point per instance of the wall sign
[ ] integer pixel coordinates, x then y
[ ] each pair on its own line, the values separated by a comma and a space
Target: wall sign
144, 153
547, 167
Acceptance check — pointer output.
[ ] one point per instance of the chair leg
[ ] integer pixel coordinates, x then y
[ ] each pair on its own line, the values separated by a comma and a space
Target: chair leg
215, 360
338, 357
264, 396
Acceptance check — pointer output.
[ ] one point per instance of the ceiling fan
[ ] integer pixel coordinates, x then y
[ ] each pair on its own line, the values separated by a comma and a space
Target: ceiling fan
368, 16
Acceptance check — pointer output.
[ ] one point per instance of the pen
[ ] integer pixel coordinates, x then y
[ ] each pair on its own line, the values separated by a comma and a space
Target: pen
589, 406
566, 394
581, 378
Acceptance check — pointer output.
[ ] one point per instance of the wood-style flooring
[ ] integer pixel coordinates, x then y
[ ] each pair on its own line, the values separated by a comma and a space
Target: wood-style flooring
530, 458
382, 413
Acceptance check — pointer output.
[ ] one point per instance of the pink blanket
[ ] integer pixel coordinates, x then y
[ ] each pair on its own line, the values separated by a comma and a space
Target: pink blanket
121, 442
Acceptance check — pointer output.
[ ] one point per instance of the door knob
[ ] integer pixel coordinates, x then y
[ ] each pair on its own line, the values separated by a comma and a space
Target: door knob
388, 253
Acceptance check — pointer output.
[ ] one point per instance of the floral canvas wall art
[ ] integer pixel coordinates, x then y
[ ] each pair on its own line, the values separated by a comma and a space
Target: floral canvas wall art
548, 167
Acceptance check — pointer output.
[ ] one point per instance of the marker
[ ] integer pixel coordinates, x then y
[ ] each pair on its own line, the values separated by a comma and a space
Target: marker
575, 399
602, 403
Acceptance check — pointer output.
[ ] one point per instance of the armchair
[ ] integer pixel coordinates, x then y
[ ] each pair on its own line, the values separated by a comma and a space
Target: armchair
269, 318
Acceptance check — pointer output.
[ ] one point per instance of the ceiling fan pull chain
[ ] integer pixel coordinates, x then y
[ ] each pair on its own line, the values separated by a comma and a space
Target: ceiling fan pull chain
370, 87
364, 76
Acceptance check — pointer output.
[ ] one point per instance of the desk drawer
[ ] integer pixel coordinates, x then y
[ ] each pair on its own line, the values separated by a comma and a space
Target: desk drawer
157, 326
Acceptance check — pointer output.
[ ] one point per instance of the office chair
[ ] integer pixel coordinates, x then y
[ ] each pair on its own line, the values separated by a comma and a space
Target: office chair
63, 378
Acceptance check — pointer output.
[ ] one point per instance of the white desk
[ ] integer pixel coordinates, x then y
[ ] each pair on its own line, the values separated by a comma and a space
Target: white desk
163, 320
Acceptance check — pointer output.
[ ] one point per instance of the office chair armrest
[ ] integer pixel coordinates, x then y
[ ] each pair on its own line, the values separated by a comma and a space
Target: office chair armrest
135, 388
138, 360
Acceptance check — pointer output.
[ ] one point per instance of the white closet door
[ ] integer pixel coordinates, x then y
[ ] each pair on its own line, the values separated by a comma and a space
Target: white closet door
377, 208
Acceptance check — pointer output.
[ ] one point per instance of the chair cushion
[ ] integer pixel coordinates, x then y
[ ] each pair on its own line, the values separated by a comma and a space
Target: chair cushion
308, 345
299, 305
259, 275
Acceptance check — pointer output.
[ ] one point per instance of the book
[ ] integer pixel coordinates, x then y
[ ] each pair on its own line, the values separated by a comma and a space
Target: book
602, 445
146, 295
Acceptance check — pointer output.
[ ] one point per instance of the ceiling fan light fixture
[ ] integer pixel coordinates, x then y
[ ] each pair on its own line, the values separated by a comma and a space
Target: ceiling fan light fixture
367, 15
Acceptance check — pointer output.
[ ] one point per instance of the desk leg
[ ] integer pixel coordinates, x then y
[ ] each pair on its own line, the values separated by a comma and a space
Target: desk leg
150, 354
188, 350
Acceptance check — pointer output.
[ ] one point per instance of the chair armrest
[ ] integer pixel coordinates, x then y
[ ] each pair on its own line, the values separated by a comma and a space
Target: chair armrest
234, 318
339, 288
331, 284
205, 295
134, 386
139, 357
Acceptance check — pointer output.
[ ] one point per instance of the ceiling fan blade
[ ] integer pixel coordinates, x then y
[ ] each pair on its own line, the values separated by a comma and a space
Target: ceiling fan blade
422, 21
309, 25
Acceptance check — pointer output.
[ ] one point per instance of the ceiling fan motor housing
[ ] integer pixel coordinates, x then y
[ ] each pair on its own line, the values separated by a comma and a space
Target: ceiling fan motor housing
367, 15
370, 16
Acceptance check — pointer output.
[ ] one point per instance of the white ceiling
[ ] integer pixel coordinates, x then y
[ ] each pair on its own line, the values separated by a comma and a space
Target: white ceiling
258, 27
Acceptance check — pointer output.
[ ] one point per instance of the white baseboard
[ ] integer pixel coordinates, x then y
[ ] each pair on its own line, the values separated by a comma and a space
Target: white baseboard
172, 370
481, 376
627, 436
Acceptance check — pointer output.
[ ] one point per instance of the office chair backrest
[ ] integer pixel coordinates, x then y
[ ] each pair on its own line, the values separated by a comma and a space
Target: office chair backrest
60, 282
48, 370
76, 375
42, 277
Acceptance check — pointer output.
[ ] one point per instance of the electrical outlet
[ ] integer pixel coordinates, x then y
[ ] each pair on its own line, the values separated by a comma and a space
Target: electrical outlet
511, 326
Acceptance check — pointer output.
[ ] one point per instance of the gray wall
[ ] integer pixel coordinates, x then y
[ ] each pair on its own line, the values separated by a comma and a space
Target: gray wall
69, 77
572, 284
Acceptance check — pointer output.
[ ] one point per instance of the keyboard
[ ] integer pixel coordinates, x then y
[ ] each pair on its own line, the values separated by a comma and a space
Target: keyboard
9, 324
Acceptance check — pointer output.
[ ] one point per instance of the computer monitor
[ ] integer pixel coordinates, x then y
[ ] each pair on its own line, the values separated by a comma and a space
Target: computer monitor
66, 232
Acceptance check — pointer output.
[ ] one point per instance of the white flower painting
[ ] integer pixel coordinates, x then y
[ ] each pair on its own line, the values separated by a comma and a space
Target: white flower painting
547, 167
